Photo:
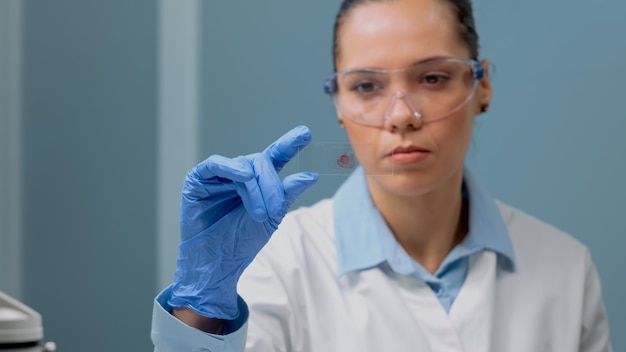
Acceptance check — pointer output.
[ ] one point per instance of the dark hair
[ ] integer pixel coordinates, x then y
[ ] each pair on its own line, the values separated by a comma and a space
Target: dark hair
463, 9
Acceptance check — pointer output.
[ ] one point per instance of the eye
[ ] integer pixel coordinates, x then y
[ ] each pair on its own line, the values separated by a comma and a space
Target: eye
434, 79
364, 87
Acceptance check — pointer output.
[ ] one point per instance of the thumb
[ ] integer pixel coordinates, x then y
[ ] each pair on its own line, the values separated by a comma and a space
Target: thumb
296, 184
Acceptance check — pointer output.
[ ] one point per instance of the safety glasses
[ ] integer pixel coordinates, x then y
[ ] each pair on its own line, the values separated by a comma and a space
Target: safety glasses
433, 89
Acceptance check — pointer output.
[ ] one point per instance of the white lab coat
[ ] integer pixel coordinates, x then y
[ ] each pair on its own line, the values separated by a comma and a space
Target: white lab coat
551, 302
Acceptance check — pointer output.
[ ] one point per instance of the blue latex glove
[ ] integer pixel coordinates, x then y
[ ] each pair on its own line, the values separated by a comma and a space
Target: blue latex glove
229, 209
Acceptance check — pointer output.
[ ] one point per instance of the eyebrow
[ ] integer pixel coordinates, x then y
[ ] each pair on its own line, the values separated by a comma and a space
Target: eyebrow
421, 61
430, 59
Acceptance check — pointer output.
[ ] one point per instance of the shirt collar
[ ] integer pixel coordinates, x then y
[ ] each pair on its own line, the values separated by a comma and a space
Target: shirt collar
361, 234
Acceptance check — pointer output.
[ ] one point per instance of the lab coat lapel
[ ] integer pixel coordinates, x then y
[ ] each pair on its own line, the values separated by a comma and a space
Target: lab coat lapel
430, 317
473, 310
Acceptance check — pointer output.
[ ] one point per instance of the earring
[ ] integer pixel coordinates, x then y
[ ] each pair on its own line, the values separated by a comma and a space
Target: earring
341, 123
484, 108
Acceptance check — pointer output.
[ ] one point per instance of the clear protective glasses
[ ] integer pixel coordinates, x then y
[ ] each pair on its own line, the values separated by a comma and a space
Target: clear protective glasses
433, 89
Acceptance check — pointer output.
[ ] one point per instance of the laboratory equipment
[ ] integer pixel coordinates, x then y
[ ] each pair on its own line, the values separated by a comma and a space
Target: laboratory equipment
337, 158
21, 328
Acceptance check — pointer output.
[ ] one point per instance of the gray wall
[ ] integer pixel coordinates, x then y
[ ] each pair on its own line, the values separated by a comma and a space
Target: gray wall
10, 238
89, 155
552, 144
263, 65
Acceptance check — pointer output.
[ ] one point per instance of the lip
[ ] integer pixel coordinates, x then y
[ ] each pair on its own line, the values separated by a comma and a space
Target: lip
409, 149
408, 154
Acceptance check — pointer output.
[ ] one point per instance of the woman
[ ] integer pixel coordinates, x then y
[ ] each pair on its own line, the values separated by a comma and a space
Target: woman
411, 254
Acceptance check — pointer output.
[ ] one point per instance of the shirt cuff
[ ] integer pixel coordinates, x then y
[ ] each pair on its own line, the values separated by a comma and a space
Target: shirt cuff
171, 335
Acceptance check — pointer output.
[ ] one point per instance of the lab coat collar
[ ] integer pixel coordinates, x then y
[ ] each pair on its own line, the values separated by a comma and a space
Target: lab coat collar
359, 226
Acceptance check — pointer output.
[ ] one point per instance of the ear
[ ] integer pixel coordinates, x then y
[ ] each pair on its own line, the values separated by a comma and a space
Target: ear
485, 90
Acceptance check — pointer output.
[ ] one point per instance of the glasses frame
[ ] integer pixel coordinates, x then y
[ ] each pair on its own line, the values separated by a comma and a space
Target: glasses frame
331, 86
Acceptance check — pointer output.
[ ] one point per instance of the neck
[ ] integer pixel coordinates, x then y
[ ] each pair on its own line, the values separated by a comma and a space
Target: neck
427, 225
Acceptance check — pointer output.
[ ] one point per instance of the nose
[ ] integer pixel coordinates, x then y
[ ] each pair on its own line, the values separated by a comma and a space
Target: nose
402, 115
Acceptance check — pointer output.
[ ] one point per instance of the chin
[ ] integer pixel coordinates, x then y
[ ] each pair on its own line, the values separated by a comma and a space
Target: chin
404, 184
412, 182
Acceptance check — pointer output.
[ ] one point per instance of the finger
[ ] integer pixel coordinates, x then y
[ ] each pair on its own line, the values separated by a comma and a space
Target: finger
271, 187
259, 193
235, 169
252, 199
287, 146
296, 184
196, 189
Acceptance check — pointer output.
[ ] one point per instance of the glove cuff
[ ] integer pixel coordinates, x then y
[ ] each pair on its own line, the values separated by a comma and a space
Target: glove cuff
217, 303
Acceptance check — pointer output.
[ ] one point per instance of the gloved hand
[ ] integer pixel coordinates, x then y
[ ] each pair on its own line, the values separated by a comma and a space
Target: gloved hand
229, 209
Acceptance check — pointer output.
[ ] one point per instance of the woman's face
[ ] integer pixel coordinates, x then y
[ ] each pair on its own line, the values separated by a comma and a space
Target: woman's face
392, 35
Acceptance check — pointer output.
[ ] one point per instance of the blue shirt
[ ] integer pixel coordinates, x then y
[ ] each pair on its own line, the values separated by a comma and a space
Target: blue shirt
364, 240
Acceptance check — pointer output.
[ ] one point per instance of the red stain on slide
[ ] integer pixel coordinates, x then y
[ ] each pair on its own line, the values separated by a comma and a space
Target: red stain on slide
346, 161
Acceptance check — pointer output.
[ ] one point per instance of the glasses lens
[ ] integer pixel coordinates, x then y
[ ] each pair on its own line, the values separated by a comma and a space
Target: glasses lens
362, 95
435, 88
